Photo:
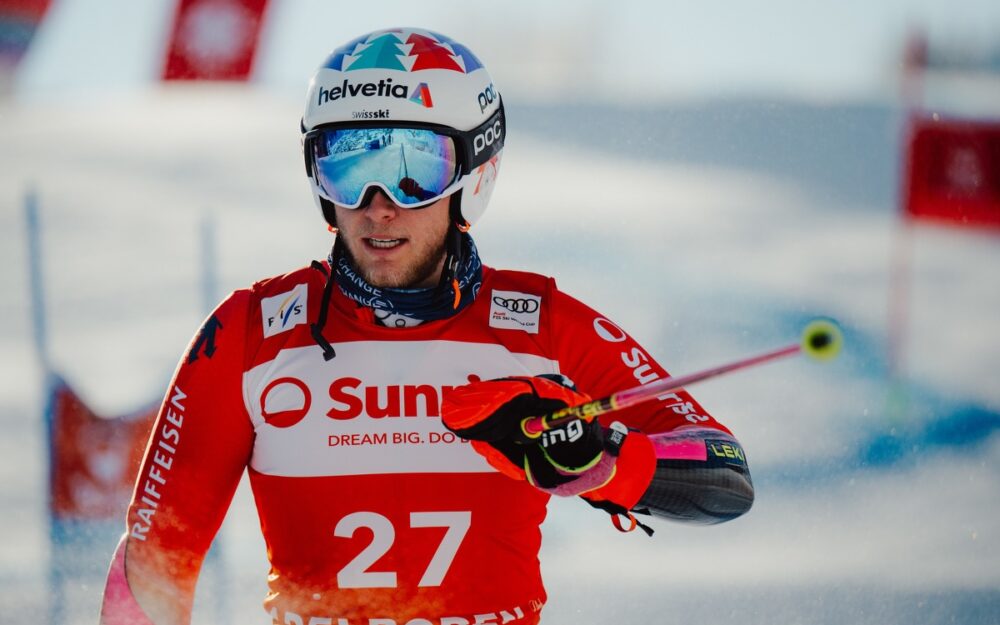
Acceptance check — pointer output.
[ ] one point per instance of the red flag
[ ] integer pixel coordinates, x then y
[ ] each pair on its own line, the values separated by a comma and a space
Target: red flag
214, 39
94, 461
953, 172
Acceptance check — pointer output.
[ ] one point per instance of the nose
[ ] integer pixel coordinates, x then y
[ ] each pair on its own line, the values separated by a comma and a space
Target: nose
381, 208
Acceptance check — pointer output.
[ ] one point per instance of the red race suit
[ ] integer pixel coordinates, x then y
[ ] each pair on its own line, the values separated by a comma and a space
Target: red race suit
372, 511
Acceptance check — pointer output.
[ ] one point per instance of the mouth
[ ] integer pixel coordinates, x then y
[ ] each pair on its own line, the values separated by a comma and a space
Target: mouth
383, 243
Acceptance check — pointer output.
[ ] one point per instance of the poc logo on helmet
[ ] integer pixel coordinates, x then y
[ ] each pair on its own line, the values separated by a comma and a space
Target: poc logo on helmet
486, 98
517, 305
486, 138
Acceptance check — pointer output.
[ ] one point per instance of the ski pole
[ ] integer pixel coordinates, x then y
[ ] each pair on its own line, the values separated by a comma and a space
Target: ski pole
821, 340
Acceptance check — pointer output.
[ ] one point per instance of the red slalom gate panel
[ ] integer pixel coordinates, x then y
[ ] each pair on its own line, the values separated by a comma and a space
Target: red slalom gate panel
93, 460
32, 10
953, 172
214, 39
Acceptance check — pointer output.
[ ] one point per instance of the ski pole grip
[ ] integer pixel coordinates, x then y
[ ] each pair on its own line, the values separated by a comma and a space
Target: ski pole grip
533, 427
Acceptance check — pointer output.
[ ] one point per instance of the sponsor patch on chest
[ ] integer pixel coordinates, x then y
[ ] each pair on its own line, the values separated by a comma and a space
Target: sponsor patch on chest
511, 310
284, 311
375, 409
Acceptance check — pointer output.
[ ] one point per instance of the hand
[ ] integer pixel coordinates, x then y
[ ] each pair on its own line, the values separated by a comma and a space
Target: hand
568, 460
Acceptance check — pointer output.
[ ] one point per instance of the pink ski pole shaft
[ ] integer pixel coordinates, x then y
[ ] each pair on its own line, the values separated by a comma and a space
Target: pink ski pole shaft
821, 340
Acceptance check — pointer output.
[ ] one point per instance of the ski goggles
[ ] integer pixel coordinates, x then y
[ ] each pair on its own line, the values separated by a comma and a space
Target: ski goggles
414, 164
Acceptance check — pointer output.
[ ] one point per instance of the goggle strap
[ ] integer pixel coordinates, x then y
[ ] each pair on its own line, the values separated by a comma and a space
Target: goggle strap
316, 329
495, 145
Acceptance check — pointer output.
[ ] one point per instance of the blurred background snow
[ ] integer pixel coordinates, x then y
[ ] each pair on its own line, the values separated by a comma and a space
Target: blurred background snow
710, 175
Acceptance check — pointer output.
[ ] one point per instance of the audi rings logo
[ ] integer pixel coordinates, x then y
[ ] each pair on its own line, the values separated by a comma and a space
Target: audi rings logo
517, 305
513, 310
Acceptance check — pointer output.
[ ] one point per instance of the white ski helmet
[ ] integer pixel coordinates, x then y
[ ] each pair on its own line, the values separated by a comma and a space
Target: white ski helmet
397, 104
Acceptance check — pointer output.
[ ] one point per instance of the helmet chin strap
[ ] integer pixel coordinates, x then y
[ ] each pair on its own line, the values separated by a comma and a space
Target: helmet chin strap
316, 329
453, 247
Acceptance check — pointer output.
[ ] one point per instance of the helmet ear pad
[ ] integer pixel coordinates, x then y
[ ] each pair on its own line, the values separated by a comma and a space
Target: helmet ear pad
455, 209
329, 212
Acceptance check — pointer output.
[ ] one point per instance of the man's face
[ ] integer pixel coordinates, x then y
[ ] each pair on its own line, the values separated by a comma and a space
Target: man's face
396, 247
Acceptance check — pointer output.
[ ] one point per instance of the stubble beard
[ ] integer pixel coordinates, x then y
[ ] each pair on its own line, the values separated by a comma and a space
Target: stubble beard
423, 269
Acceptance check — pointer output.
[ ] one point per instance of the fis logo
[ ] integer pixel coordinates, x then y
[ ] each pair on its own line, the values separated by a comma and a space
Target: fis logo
285, 311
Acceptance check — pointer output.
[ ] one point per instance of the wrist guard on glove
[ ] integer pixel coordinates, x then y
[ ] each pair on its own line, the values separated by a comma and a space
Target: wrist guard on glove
571, 459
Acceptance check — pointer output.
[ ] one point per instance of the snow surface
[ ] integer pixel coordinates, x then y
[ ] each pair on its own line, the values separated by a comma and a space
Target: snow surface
702, 264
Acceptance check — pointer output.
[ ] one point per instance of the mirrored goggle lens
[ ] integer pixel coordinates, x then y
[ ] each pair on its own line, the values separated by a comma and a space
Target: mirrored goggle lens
414, 166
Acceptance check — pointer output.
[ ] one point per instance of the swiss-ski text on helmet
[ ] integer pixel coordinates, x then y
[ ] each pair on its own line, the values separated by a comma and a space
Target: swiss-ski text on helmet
383, 88
379, 114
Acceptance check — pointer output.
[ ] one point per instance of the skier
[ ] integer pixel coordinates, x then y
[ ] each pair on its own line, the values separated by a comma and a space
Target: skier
350, 390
